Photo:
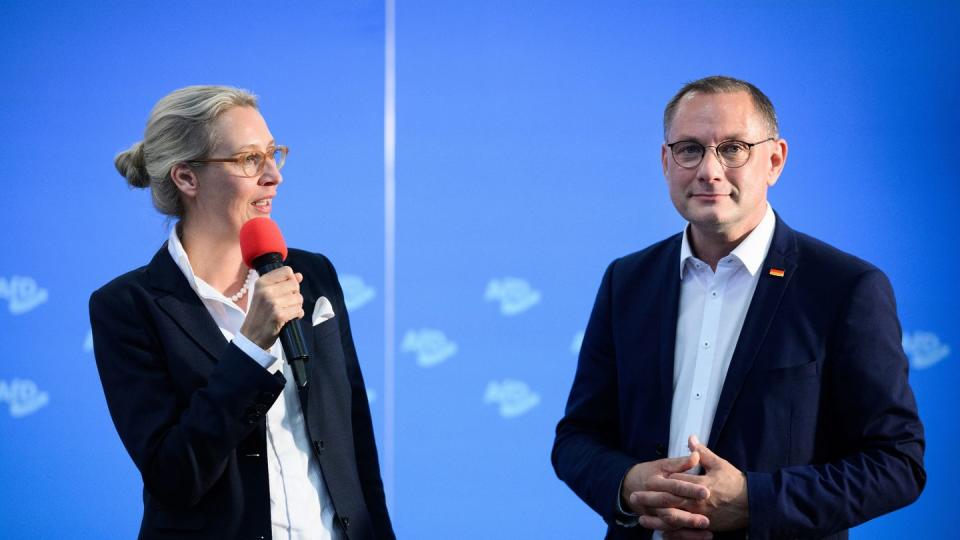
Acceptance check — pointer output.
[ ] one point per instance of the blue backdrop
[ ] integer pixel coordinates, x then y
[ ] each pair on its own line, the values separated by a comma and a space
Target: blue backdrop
527, 157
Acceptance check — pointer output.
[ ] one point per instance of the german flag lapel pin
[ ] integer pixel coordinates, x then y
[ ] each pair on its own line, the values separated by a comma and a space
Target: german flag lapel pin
776, 272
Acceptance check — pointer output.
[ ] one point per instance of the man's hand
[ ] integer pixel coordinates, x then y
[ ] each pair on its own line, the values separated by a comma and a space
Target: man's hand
727, 506
666, 495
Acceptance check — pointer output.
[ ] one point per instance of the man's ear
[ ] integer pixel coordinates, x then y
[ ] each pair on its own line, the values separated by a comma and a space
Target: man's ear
777, 160
185, 178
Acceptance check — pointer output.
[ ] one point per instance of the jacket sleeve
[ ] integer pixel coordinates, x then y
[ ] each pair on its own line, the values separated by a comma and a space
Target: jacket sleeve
875, 426
363, 437
180, 443
585, 453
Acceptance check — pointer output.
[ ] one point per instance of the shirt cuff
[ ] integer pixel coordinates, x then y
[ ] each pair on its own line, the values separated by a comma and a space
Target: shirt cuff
254, 351
625, 518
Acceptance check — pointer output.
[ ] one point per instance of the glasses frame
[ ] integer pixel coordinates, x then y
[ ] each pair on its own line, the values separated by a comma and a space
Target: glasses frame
239, 157
716, 150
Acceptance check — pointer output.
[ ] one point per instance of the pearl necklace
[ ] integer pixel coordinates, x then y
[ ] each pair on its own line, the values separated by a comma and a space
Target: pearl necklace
251, 277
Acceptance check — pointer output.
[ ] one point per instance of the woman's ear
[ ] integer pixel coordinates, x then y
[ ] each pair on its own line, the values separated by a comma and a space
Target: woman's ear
185, 178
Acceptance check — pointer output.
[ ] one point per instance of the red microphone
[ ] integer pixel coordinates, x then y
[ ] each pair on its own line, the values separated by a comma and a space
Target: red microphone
260, 236
264, 250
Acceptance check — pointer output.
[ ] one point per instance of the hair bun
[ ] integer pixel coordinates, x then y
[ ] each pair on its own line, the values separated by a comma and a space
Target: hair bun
132, 165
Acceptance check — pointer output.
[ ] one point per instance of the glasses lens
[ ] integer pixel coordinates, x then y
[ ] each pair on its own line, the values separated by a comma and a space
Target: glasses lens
688, 153
251, 163
280, 156
733, 153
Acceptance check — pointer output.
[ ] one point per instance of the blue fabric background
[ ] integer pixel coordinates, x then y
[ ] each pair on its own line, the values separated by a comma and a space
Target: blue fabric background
528, 140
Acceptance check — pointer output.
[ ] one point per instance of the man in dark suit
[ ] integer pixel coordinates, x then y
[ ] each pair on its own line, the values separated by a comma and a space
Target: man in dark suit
738, 379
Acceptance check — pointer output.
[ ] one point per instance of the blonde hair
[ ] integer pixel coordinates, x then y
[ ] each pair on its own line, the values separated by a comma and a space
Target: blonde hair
180, 128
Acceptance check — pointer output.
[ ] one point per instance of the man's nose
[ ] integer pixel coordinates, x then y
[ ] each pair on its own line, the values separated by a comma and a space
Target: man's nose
710, 168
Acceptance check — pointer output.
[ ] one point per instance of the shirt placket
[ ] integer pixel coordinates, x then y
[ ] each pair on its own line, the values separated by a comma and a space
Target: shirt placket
715, 285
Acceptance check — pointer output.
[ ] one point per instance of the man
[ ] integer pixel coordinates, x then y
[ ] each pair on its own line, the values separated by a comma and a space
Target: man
741, 378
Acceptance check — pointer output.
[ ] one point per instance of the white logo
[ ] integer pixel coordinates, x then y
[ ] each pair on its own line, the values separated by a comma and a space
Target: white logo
515, 295
88, 342
514, 397
924, 349
576, 343
431, 346
22, 293
23, 396
356, 293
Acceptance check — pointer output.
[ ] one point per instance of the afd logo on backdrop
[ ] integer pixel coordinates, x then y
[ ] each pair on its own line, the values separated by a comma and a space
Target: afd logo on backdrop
356, 293
924, 349
514, 397
431, 346
22, 396
514, 294
22, 293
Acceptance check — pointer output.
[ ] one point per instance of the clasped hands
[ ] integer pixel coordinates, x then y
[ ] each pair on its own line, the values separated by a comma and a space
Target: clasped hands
688, 506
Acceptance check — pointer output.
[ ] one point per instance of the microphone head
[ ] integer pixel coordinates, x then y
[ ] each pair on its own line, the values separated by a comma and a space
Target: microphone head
260, 236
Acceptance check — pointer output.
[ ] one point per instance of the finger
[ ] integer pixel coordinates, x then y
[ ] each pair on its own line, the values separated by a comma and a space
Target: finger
299, 277
655, 523
656, 499
681, 519
708, 459
690, 478
277, 275
687, 534
680, 464
680, 488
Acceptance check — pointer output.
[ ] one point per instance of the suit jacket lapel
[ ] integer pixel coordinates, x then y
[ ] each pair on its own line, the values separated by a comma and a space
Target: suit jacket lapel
181, 303
669, 307
763, 306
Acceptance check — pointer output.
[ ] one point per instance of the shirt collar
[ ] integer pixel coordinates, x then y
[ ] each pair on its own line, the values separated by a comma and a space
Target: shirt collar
752, 250
179, 255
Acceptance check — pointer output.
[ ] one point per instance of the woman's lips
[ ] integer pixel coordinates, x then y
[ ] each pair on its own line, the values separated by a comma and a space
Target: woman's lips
263, 205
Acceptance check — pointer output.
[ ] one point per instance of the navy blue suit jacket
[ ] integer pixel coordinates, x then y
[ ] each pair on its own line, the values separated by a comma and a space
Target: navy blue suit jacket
815, 409
190, 407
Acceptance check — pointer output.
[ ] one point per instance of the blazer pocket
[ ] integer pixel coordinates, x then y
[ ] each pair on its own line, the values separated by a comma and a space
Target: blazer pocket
325, 328
792, 373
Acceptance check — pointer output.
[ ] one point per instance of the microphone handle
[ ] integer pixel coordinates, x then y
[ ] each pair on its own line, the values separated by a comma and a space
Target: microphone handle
291, 335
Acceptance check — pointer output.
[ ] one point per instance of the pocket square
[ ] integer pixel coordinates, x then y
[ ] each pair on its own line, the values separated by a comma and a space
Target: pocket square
322, 310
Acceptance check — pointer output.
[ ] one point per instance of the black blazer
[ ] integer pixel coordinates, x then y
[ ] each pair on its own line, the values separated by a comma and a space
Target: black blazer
815, 407
190, 407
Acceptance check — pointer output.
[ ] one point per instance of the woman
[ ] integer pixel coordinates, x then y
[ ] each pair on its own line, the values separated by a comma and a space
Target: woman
189, 359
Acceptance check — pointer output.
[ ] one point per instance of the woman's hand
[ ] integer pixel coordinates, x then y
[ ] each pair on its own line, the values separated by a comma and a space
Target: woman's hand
276, 300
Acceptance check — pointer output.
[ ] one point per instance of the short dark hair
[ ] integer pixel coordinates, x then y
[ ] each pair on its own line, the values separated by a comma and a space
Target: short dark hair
721, 84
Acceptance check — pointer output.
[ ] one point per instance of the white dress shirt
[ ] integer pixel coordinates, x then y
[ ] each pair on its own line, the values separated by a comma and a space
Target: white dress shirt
300, 506
713, 306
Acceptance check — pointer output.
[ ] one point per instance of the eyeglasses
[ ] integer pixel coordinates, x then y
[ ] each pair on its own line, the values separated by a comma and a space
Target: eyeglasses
252, 163
732, 154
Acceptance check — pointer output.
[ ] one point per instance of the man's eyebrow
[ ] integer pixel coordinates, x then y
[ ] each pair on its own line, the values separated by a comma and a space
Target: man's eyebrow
729, 137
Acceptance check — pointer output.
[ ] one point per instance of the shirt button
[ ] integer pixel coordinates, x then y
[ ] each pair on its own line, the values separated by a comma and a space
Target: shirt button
706, 344
697, 395
713, 294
